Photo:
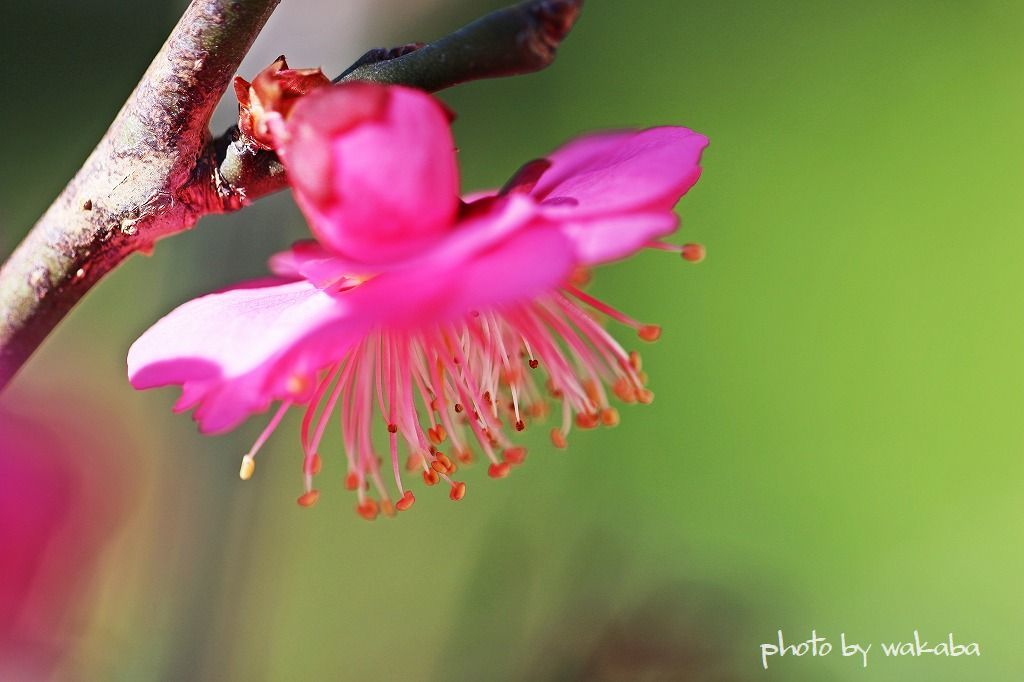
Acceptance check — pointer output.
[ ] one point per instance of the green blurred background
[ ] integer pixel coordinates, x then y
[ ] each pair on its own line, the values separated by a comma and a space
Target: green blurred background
837, 437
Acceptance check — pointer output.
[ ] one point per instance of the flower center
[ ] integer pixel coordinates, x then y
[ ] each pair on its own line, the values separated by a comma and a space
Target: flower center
438, 397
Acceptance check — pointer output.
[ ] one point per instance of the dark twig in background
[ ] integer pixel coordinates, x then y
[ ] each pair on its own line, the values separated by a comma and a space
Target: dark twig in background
515, 40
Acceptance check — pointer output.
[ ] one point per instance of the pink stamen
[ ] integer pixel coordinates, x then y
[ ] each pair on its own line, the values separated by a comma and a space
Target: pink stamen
663, 246
274, 421
328, 410
603, 307
477, 375
314, 402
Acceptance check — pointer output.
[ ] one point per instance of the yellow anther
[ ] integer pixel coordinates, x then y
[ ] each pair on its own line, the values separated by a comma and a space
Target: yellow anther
248, 466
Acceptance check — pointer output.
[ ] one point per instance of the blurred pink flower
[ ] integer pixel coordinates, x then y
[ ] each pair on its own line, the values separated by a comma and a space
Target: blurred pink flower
420, 313
57, 511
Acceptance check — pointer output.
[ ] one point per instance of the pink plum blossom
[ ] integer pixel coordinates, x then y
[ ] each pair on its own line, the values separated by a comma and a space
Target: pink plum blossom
426, 321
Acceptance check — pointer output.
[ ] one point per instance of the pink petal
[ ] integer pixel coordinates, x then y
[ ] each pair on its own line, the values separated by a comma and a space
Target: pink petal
308, 260
479, 229
237, 351
289, 264
235, 337
604, 238
622, 170
501, 220
373, 168
509, 272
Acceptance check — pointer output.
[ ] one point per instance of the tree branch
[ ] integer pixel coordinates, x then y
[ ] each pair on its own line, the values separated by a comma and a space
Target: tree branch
135, 186
157, 171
